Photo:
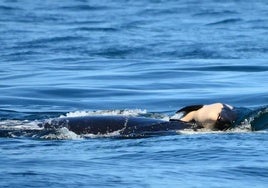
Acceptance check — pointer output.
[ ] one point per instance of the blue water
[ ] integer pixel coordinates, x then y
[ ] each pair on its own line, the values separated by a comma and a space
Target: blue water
150, 58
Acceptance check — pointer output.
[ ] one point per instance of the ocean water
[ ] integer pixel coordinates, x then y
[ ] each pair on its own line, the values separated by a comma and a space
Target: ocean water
138, 58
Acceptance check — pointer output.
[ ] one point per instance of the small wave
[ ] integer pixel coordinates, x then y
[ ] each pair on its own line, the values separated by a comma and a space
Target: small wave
262, 49
83, 8
215, 13
233, 68
9, 8
117, 51
201, 53
258, 119
103, 29
226, 21
49, 40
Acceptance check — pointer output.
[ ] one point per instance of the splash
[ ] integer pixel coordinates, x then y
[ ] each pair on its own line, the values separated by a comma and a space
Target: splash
108, 135
18, 124
126, 112
60, 134
208, 131
259, 119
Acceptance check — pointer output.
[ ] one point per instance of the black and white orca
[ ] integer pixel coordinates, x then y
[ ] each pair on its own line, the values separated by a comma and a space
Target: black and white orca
216, 116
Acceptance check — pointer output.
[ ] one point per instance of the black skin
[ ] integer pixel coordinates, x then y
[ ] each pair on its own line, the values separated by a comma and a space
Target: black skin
126, 125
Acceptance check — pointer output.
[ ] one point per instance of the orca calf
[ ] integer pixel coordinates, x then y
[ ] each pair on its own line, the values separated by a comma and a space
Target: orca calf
217, 116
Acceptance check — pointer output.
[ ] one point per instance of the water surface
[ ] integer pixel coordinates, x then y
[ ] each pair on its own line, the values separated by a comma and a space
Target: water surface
137, 58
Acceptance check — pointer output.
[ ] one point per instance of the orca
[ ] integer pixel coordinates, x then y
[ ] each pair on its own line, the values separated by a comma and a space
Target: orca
215, 116
124, 125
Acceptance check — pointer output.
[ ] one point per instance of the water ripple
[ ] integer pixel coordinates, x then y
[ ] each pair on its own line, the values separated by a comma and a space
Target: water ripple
227, 21
83, 8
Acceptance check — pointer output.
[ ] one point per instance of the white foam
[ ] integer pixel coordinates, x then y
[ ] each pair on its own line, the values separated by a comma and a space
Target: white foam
61, 134
126, 112
239, 129
107, 135
19, 125
198, 131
